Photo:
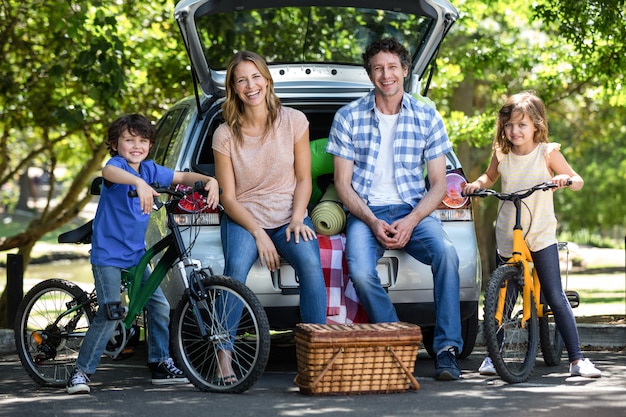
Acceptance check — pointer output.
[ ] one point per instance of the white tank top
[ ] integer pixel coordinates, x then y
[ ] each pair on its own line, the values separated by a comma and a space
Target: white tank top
538, 219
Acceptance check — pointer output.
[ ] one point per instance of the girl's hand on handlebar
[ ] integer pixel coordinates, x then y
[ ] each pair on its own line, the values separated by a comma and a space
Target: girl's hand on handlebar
470, 187
213, 192
562, 180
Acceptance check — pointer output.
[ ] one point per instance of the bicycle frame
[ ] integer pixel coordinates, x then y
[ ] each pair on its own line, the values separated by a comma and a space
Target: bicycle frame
140, 293
521, 256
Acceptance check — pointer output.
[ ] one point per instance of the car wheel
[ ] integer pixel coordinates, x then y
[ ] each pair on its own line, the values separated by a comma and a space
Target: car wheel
469, 331
428, 336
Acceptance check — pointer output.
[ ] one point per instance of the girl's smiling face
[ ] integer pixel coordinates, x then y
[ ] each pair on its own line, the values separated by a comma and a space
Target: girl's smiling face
520, 131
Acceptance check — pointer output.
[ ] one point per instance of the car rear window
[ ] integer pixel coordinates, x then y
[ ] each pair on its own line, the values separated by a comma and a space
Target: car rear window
307, 34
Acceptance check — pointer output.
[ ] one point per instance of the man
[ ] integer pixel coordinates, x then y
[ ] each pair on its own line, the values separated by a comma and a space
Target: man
380, 144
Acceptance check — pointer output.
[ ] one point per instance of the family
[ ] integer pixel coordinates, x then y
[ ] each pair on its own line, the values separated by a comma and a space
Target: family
381, 144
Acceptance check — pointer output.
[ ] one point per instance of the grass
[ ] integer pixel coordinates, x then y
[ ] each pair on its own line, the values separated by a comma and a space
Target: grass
13, 224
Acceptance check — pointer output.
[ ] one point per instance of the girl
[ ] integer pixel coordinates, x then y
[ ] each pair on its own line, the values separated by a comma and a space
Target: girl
523, 156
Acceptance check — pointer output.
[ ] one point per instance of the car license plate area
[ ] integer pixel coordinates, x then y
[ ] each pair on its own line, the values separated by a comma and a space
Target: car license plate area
286, 278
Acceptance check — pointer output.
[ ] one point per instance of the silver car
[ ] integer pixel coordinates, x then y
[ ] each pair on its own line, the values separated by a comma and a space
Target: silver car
313, 49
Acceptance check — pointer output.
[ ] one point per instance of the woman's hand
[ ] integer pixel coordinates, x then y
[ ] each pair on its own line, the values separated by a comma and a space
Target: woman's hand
298, 228
268, 255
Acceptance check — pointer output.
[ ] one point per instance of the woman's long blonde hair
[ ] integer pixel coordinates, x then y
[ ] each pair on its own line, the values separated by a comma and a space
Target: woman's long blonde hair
233, 108
526, 103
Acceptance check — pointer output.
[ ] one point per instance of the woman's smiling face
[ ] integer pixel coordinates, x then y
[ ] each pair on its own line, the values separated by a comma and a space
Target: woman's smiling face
250, 85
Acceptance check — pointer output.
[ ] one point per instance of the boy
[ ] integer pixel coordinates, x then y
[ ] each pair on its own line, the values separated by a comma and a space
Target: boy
119, 230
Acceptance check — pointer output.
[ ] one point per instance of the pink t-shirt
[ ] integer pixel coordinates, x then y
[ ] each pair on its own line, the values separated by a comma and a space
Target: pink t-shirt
265, 176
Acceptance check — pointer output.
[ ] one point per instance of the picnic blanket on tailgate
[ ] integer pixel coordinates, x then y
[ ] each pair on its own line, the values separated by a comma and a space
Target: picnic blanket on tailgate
343, 303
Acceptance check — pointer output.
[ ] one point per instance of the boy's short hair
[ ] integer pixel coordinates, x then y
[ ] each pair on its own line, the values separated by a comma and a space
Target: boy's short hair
136, 124
390, 45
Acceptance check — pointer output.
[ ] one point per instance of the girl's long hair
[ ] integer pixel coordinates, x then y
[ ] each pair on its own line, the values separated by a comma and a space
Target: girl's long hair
526, 103
233, 108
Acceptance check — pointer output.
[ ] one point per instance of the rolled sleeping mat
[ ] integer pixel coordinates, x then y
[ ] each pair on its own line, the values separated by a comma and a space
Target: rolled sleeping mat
321, 164
328, 215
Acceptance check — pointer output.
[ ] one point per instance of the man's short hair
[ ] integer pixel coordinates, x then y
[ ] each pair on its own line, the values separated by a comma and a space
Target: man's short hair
390, 45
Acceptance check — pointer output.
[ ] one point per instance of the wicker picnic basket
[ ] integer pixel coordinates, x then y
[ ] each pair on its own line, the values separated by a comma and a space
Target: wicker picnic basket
338, 359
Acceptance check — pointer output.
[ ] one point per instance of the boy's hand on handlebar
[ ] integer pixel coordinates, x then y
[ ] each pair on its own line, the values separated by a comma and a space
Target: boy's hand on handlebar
213, 192
146, 195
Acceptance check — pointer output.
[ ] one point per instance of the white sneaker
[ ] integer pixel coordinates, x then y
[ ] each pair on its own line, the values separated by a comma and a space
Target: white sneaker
78, 383
487, 368
584, 368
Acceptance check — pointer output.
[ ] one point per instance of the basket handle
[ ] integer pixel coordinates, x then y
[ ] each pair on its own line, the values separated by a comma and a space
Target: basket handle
321, 375
413, 381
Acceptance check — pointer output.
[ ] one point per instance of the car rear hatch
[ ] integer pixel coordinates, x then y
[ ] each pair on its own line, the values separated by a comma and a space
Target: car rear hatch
311, 46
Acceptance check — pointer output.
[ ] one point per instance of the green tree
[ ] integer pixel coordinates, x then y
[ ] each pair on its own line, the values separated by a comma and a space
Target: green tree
69, 68
497, 48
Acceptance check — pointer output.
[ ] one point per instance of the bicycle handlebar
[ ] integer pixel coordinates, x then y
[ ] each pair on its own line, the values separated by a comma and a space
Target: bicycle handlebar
198, 187
516, 195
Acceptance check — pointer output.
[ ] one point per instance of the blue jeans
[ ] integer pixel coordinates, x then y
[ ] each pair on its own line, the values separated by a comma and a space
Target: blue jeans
240, 253
108, 280
430, 245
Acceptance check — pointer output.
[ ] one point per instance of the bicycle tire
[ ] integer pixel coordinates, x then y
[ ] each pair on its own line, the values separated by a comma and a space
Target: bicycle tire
550, 340
47, 343
514, 352
250, 335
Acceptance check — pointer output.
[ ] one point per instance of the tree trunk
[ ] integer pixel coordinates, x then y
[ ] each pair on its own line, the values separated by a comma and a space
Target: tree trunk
474, 161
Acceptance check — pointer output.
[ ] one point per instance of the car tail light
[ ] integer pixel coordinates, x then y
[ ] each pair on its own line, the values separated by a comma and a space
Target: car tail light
455, 207
193, 210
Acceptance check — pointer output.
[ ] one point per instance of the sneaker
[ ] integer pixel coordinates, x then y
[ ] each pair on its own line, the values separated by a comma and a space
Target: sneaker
167, 373
447, 369
487, 368
78, 383
584, 368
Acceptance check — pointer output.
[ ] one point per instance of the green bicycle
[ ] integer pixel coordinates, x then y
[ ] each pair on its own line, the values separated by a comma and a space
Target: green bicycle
55, 314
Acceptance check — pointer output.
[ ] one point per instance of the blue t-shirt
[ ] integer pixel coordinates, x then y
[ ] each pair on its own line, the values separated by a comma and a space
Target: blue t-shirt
119, 227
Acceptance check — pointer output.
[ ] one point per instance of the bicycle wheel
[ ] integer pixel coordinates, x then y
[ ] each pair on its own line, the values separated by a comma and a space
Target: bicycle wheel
234, 320
550, 338
50, 325
512, 344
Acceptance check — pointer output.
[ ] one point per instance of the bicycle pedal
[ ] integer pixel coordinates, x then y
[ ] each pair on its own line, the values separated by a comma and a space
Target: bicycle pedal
115, 311
573, 297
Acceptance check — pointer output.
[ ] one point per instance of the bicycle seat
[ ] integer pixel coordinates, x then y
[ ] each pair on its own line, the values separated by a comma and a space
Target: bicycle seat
81, 234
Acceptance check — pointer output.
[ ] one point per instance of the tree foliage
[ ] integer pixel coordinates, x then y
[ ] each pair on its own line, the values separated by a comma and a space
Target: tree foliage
70, 67
564, 50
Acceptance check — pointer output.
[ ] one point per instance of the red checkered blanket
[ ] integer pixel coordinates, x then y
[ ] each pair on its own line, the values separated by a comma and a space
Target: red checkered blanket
343, 303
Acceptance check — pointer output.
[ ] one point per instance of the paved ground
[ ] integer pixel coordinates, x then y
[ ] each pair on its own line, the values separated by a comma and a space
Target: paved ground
123, 389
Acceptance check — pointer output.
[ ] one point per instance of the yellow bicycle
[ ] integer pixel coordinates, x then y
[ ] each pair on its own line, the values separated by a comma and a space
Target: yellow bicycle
516, 320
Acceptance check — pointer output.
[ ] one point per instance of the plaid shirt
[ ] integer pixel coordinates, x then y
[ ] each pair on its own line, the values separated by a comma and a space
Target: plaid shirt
420, 137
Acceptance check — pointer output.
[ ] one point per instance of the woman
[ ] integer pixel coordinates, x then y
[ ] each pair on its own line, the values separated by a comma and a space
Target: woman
263, 164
